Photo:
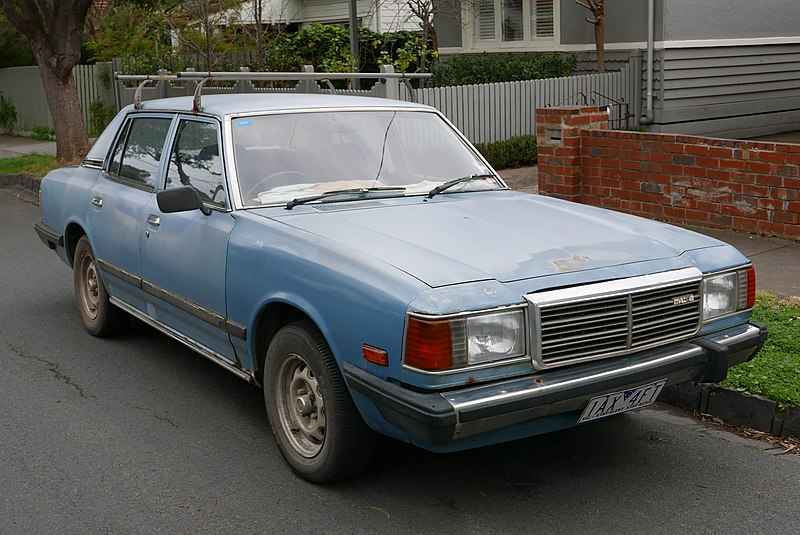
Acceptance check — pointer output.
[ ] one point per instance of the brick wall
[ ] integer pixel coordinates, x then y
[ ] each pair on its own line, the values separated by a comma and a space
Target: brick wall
739, 185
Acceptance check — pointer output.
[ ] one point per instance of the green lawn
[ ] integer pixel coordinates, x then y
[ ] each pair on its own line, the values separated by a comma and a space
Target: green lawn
775, 371
30, 164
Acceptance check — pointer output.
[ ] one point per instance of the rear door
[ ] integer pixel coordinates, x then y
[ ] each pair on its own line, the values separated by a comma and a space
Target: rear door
120, 199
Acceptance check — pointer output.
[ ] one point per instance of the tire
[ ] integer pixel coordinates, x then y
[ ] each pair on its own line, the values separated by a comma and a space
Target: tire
98, 315
313, 418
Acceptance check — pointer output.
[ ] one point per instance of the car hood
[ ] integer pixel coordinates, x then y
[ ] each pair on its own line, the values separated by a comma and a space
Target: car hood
501, 235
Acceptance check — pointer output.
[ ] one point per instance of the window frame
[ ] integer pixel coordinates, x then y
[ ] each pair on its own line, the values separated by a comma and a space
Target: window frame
172, 138
125, 130
472, 40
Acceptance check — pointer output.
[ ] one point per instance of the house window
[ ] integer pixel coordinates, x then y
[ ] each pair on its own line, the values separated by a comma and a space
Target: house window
519, 20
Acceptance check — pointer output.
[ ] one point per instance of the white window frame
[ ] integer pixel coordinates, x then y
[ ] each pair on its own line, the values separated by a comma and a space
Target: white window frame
471, 42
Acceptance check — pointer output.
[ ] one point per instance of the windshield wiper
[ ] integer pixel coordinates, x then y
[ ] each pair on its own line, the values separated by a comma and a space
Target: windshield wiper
438, 189
351, 191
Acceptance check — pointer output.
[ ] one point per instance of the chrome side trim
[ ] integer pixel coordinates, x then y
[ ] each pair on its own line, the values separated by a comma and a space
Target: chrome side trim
187, 305
190, 307
211, 355
236, 330
120, 273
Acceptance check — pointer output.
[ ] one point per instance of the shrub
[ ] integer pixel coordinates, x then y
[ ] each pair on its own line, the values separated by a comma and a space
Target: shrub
466, 69
8, 115
100, 114
514, 152
43, 133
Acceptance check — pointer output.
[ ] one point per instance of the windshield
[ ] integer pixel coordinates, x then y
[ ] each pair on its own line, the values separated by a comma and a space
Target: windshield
283, 157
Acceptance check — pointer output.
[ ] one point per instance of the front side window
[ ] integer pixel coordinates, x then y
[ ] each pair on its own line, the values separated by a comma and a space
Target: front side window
195, 161
510, 21
137, 154
283, 157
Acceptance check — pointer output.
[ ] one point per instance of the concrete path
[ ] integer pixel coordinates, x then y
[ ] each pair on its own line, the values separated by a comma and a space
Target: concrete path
11, 146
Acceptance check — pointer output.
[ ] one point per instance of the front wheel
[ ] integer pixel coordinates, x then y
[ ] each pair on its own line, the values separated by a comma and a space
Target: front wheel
99, 316
315, 422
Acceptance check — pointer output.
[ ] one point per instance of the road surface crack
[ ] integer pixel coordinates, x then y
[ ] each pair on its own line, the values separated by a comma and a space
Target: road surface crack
155, 415
52, 367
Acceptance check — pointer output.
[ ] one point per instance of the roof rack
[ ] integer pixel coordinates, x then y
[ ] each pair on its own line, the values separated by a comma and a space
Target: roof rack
387, 72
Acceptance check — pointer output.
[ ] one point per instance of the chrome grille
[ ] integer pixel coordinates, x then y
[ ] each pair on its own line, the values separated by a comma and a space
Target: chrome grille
607, 319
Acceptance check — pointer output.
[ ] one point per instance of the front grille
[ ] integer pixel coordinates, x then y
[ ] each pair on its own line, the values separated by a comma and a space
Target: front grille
619, 317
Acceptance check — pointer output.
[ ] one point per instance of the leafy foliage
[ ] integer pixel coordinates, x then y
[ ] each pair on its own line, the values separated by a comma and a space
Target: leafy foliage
511, 153
14, 48
466, 69
774, 372
8, 115
43, 133
100, 114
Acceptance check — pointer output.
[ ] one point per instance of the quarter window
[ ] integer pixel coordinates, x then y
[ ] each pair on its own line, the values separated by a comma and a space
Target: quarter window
137, 155
195, 161
510, 21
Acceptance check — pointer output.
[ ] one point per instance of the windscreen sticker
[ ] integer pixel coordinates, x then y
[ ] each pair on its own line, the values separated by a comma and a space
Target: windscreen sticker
244, 122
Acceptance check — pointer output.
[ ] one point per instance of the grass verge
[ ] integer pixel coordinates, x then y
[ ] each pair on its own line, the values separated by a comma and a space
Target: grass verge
775, 371
37, 165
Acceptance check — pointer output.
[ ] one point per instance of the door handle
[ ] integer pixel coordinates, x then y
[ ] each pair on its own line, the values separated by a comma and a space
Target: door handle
97, 201
154, 220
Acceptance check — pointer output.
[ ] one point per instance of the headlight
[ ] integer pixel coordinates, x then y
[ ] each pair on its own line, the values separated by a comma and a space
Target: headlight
726, 293
442, 344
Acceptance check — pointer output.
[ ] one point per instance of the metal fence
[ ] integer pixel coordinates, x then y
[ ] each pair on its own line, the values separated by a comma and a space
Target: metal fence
22, 86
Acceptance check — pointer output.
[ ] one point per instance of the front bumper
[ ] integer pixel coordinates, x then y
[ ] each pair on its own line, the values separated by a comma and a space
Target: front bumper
443, 417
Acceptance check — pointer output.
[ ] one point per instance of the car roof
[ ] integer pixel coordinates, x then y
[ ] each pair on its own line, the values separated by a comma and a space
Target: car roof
222, 105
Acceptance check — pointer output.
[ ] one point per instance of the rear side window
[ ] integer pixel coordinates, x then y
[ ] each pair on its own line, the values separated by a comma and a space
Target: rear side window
137, 155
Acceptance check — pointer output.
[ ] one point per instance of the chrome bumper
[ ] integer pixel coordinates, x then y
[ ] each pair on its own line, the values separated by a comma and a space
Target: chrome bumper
442, 417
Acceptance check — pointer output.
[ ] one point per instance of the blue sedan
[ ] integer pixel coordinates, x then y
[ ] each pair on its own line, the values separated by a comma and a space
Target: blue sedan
361, 261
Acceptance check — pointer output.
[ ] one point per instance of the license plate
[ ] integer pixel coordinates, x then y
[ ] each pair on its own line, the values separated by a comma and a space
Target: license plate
624, 401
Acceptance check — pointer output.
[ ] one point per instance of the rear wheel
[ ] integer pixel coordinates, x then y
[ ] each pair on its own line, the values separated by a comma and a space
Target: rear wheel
99, 316
315, 422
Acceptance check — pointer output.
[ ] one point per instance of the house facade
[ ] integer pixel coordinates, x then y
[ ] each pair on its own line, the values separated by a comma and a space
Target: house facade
729, 68
378, 15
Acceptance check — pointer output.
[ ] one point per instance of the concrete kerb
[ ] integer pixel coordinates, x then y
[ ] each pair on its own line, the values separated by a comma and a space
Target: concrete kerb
731, 406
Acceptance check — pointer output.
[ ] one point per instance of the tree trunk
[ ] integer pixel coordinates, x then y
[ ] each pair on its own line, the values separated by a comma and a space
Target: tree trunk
65, 108
600, 45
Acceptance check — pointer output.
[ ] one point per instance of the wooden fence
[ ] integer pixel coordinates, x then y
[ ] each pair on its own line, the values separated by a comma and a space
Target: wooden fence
22, 86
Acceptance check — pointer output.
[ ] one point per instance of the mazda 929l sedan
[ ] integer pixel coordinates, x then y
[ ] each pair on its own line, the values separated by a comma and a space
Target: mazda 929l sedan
359, 260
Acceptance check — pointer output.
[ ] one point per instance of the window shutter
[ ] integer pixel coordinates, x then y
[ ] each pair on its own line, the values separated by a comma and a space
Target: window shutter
542, 18
486, 19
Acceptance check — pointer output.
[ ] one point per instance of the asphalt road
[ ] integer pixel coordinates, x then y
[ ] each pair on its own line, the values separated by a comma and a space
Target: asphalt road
138, 435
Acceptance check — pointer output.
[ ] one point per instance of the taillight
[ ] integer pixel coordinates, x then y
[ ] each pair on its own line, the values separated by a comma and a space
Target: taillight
429, 344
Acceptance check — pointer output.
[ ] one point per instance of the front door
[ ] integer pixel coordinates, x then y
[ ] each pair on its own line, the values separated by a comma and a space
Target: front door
184, 254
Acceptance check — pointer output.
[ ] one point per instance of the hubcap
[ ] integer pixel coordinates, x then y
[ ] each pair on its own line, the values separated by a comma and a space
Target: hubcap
301, 408
90, 289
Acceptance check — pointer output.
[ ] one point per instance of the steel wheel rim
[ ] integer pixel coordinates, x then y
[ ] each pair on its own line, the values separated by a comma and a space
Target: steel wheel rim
90, 286
301, 407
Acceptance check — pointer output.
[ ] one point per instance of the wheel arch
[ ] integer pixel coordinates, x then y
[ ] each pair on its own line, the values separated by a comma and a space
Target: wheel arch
272, 318
72, 234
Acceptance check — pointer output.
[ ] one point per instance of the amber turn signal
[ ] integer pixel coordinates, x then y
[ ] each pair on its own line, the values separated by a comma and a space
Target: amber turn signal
375, 355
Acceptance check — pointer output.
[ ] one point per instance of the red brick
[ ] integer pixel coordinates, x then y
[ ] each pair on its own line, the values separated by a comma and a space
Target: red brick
793, 206
745, 223
773, 157
769, 180
731, 164
705, 161
791, 182
756, 167
770, 204
786, 217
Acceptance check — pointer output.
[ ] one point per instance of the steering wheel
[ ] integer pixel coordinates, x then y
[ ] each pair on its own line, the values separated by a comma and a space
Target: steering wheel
289, 177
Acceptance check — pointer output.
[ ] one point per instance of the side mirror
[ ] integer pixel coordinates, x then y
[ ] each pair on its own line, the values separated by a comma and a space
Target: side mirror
182, 199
